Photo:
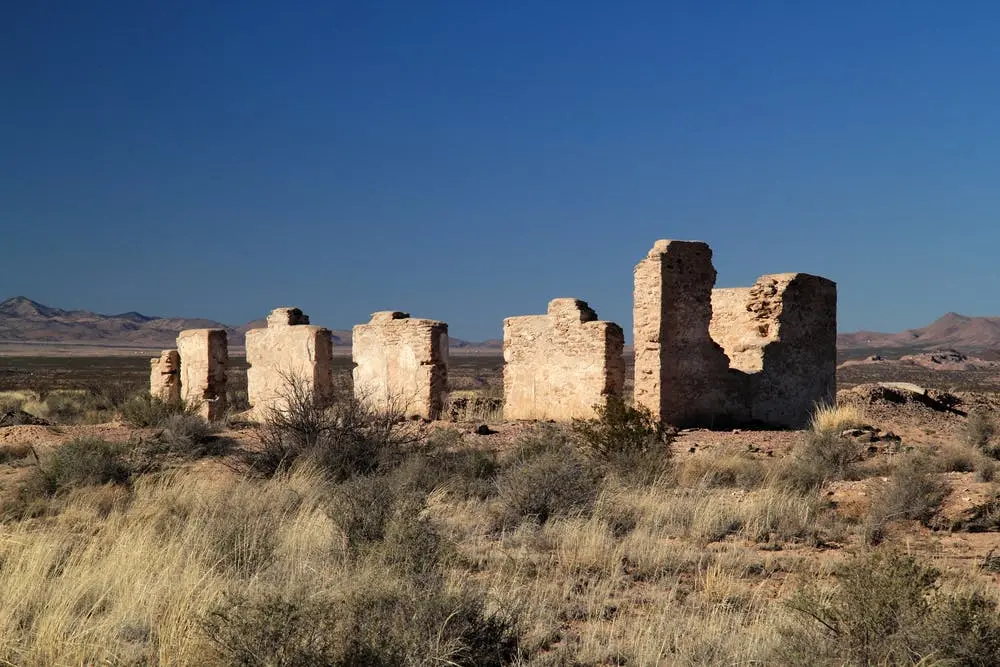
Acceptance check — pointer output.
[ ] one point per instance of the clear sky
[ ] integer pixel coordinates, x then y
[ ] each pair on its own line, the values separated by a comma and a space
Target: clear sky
469, 161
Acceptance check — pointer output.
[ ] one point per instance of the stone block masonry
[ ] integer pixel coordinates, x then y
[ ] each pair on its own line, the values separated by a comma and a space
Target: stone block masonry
561, 364
782, 333
164, 377
204, 355
712, 357
681, 375
288, 352
401, 364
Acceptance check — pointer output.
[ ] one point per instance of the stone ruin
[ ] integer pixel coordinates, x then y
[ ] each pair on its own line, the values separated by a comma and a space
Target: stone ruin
681, 374
765, 354
289, 353
782, 333
703, 356
561, 364
204, 355
164, 377
401, 363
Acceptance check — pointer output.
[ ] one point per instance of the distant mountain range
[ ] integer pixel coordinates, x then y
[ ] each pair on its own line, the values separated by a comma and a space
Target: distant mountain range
954, 331
25, 321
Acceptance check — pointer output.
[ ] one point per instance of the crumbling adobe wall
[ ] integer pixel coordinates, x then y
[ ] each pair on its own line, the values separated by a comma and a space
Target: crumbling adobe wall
164, 377
681, 375
781, 332
401, 363
560, 365
289, 350
204, 355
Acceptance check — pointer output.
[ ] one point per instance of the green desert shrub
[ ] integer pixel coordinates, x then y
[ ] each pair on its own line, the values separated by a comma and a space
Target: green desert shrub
626, 438
888, 608
547, 477
447, 462
980, 429
84, 461
190, 436
818, 458
145, 411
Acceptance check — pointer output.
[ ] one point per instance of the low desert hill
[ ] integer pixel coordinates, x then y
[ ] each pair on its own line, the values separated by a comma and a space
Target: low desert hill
951, 331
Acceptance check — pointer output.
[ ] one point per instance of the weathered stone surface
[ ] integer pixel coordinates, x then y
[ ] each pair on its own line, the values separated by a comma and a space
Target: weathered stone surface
561, 364
782, 333
681, 375
204, 356
280, 317
164, 376
401, 364
289, 350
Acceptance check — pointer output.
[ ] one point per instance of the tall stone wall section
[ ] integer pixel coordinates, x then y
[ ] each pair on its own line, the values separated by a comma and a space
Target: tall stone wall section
782, 333
401, 363
204, 355
561, 364
681, 375
164, 377
289, 354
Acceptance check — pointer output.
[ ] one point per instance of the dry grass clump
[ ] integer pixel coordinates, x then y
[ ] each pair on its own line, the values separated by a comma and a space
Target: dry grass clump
836, 418
15, 400
823, 454
483, 406
194, 571
349, 545
64, 406
913, 492
960, 457
707, 470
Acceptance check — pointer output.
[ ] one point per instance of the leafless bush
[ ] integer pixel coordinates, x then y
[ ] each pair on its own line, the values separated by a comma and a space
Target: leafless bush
343, 439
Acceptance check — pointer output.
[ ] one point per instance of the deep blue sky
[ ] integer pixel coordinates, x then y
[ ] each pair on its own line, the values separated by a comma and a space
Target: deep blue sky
468, 161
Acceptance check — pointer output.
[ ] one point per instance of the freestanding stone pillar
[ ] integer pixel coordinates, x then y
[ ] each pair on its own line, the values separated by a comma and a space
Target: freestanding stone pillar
401, 364
289, 351
164, 377
204, 356
562, 364
681, 374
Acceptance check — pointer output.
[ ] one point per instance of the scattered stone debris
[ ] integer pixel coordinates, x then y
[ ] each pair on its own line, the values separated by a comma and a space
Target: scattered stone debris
868, 434
20, 418
904, 394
